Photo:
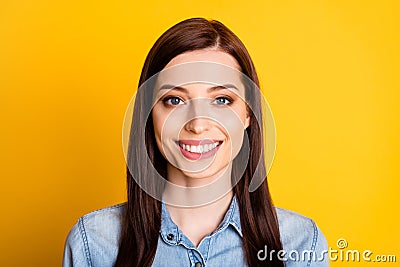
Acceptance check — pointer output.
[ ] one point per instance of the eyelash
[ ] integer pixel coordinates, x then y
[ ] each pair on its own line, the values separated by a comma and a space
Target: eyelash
168, 98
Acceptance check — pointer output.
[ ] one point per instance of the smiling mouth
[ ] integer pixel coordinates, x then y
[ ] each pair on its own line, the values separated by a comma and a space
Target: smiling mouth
195, 149
201, 147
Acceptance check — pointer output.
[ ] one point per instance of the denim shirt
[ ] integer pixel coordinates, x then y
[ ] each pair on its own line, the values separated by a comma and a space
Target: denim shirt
93, 241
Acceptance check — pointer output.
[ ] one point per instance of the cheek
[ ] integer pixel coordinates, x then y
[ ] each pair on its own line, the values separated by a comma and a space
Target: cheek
158, 122
236, 128
242, 114
162, 128
235, 132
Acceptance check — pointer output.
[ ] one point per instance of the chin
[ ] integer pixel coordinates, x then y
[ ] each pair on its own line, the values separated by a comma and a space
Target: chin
206, 174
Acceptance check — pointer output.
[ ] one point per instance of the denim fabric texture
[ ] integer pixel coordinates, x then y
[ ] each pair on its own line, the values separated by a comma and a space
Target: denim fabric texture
93, 241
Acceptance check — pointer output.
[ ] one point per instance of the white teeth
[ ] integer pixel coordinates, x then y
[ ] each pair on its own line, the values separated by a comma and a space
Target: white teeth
199, 148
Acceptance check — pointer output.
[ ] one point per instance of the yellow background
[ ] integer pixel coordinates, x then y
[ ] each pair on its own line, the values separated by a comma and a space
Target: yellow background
68, 69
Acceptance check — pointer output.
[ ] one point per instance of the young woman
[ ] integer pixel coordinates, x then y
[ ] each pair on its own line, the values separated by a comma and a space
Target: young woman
195, 147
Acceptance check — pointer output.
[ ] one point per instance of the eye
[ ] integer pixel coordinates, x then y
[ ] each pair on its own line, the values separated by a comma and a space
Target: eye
172, 101
223, 100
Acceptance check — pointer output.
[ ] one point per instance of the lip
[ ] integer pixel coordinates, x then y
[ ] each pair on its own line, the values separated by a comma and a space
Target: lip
193, 142
197, 156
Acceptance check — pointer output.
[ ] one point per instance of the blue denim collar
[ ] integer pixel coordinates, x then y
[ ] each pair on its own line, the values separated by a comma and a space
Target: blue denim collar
172, 235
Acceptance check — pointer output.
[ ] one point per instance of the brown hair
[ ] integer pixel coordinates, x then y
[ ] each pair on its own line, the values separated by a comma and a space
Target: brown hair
142, 218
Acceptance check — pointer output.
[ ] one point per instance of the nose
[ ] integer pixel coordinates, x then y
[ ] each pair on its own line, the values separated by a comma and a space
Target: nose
198, 114
198, 125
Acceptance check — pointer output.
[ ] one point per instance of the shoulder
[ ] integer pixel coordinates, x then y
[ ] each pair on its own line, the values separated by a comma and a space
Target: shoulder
103, 219
292, 223
94, 238
300, 233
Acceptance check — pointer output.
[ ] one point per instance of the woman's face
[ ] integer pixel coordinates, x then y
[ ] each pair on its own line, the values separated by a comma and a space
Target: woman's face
199, 127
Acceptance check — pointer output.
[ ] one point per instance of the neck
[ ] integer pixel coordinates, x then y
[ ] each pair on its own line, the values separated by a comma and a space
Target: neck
197, 222
198, 202
183, 190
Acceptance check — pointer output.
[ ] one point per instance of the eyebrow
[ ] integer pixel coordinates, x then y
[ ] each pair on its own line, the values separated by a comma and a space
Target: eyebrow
214, 88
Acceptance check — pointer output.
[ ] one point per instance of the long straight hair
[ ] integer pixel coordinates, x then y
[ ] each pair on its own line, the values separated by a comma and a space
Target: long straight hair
142, 218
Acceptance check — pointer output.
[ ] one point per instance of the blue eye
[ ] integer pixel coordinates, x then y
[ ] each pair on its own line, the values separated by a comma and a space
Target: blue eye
222, 101
173, 100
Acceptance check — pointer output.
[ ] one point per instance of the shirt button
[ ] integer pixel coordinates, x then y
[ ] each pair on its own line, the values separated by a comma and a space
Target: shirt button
198, 264
170, 237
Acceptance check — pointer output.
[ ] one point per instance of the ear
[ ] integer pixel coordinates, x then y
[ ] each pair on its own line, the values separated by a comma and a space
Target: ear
247, 121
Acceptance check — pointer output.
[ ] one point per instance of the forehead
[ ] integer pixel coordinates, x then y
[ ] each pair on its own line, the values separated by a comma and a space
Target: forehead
209, 55
206, 68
